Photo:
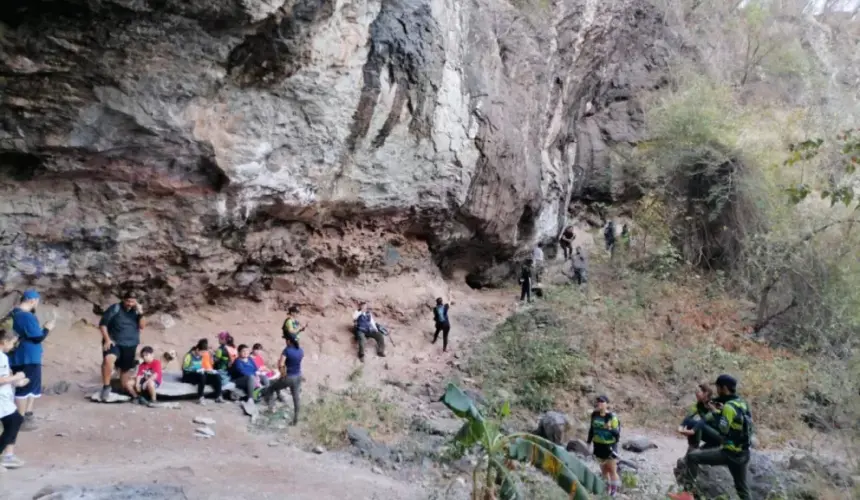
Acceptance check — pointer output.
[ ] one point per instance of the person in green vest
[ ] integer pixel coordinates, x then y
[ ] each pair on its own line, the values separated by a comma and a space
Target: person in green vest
699, 425
605, 432
734, 423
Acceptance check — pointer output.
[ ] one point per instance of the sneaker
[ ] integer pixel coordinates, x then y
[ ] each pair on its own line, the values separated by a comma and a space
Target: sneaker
11, 462
105, 395
149, 404
219, 399
202, 401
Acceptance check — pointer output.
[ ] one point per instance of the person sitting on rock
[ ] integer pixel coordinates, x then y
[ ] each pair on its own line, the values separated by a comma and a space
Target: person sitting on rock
193, 372
120, 326
605, 432
257, 356
10, 417
290, 367
365, 326
566, 242
149, 377
443, 325
225, 355
245, 374
699, 424
291, 324
734, 423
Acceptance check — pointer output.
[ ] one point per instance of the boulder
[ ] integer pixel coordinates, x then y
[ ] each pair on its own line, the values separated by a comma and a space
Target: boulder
638, 444
553, 426
172, 386
765, 478
111, 492
579, 447
437, 426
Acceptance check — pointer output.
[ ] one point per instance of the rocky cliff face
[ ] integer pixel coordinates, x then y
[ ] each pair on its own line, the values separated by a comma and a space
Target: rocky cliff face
201, 148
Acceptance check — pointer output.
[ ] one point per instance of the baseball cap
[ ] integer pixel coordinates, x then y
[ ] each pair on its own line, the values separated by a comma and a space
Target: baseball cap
602, 399
31, 294
726, 381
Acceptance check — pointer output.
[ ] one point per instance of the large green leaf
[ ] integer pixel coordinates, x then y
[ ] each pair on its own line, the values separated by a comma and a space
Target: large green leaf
567, 471
458, 402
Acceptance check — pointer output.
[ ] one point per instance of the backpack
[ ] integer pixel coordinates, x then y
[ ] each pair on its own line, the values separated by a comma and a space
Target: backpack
439, 314
111, 313
748, 429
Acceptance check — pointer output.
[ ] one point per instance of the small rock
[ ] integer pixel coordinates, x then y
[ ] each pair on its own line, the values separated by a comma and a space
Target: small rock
638, 445
206, 432
61, 434
376, 470
319, 450
61, 387
272, 444
579, 447
137, 441
204, 421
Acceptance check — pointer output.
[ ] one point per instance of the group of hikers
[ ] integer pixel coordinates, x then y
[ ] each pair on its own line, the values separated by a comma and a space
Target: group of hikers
718, 428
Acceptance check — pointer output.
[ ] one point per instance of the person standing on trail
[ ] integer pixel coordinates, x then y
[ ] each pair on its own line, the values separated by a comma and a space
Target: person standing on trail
365, 326
290, 366
566, 242
537, 258
27, 357
734, 423
440, 317
605, 432
120, 327
291, 324
526, 281
609, 237
580, 267
10, 417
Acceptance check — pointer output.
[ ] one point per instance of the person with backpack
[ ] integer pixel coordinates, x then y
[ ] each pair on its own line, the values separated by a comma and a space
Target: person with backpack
364, 326
27, 357
605, 432
734, 423
440, 317
699, 425
120, 327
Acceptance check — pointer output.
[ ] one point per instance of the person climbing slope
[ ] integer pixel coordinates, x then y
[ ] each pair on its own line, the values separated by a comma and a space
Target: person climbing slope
443, 325
605, 432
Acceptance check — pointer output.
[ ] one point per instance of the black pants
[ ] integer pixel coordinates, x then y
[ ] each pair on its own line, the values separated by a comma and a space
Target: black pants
202, 380
444, 328
294, 384
567, 248
736, 462
526, 290
11, 425
362, 338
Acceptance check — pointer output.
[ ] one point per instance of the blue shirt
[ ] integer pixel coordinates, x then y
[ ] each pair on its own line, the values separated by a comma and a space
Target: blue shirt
294, 357
30, 335
244, 368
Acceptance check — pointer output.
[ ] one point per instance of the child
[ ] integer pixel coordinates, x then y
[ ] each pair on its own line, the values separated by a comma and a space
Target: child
257, 356
605, 431
225, 355
9, 415
193, 372
244, 373
148, 376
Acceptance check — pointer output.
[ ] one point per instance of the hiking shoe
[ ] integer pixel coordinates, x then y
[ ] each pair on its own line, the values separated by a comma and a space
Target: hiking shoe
11, 462
105, 395
148, 403
202, 401
219, 399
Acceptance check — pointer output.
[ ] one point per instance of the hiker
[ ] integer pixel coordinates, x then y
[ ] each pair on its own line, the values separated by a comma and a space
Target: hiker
537, 259
566, 242
257, 356
440, 317
245, 374
526, 281
290, 367
605, 432
224, 356
365, 326
149, 377
10, 416
291, 324
734, 423
579, 265
625, 238
27, 357
699, 425
194, 372
120, 327
609, 237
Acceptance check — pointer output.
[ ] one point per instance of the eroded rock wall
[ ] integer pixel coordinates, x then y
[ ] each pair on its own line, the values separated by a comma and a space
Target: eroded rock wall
206, 148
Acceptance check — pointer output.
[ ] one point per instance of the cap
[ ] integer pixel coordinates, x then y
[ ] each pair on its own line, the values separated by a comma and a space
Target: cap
30, 294
726, 381
602, 399
293, 310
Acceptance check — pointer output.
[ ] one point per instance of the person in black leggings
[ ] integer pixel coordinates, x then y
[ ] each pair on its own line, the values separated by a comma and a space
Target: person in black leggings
193, 372
9, 414
443, 325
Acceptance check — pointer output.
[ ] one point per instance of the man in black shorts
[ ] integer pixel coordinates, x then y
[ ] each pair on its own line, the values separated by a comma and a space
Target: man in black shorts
120, 326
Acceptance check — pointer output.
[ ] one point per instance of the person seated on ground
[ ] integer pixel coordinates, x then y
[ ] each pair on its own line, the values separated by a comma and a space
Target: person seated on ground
149, 377
245, 374
443, 325
291, 324
580, 267
225, 355
699, 423
365, 326
257, 356
10, 417
566, 241
605, 432
290, 366
193, 372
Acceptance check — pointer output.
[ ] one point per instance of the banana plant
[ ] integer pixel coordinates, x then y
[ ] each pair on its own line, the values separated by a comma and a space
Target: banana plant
491, 478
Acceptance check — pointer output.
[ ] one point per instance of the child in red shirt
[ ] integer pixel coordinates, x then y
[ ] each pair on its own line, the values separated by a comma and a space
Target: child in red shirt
148, 376
257, 356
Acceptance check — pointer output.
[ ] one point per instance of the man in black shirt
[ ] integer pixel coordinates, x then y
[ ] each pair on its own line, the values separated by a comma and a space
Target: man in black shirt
120, 327
526, 281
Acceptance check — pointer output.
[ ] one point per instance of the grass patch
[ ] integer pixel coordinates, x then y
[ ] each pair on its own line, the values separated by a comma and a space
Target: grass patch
328, 416
530, 356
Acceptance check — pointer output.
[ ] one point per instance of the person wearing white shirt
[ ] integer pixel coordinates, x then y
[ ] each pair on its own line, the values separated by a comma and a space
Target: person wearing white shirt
365, 326
9, 414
